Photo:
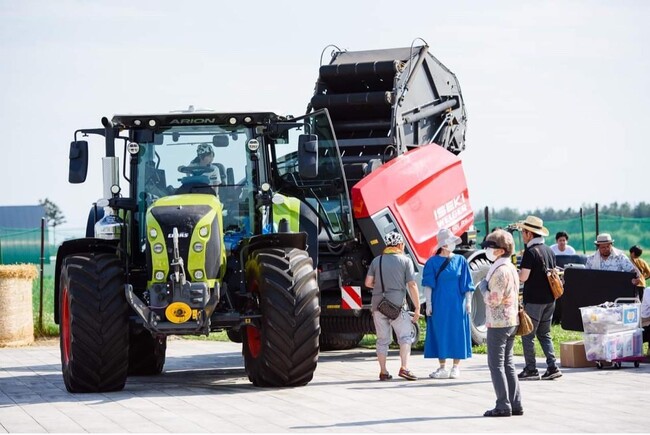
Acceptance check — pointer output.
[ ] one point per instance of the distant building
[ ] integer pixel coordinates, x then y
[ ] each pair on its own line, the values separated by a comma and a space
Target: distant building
20, 234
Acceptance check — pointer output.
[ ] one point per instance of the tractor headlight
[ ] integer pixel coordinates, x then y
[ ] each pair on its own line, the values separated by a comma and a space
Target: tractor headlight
158, 248
198, 274
203, 232
198, 247
160, 275
153, 233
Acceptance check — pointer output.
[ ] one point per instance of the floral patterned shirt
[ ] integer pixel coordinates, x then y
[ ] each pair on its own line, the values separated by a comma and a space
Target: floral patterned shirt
502, 301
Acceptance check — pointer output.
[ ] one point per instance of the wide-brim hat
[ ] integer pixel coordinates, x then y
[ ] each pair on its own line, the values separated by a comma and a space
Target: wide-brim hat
446, 237
604, 238
534, 225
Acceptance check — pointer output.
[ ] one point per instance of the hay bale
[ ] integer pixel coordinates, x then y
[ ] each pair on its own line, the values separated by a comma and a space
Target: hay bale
17, 318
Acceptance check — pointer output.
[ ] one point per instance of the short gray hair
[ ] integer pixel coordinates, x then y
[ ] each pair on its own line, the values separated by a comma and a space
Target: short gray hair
503, 239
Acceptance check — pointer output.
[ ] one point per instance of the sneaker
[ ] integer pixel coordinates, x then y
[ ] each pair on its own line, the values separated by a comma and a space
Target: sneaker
455, 372
440, 374
407, 374
551, 373
529, 375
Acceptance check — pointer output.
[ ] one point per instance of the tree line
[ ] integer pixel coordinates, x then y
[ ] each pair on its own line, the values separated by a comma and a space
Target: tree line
615, 209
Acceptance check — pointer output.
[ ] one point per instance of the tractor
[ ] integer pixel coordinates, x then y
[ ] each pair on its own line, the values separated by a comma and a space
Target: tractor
178, 248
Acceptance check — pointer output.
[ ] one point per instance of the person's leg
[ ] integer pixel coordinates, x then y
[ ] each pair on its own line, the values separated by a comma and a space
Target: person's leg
496, 345
382, 327
527, 341
442, 363
514, 393
544, 334
403, 331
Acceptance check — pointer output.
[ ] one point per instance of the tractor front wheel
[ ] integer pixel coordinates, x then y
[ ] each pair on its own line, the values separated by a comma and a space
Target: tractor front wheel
94, 329
282, 349
146, 353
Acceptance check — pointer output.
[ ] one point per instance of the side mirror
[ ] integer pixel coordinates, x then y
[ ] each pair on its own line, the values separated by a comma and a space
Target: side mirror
78, 161
220, 141
308, 155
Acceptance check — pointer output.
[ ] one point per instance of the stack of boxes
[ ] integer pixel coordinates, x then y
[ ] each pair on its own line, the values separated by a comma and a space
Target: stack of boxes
612, 331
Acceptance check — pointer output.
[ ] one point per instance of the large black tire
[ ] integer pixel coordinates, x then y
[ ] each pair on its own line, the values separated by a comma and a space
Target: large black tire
283, 351
478, 266
94, 329
146, 353
340, 341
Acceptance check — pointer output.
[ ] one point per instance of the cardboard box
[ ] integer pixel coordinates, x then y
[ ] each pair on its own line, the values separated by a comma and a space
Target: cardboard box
572, 354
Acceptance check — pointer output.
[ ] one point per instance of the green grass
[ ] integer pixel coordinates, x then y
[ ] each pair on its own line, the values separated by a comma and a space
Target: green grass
49, 329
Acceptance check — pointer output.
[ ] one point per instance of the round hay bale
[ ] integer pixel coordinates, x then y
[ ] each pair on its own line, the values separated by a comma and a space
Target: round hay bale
17, 318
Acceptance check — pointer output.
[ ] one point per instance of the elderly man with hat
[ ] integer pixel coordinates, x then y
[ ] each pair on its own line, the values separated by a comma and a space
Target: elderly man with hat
538, 298
607, 257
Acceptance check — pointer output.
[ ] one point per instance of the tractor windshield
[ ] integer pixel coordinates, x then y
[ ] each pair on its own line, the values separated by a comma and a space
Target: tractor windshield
203, 159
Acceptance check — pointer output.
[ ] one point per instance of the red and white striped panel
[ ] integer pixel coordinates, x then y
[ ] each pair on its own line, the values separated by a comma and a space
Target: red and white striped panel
350, 297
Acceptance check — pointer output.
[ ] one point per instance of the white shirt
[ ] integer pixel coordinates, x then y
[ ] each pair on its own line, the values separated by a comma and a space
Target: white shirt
568, 250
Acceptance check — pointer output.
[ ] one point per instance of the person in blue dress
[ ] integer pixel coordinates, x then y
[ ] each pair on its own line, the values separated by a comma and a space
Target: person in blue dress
448, 290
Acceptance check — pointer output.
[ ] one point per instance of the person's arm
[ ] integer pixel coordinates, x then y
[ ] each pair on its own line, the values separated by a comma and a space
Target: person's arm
415, 298
526, 265
370, 281
628, 266
429, 303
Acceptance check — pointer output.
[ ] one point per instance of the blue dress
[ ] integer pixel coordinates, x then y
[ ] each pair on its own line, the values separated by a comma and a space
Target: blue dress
448, 330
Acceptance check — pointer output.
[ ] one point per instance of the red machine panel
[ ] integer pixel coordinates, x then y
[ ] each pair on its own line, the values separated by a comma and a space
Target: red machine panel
425, 189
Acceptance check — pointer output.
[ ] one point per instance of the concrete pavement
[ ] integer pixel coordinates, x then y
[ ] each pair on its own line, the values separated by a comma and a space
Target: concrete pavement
204, 389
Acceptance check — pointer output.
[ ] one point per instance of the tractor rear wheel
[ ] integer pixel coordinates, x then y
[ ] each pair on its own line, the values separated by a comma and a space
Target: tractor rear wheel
283, 350
94, 329
146, 353
478, 266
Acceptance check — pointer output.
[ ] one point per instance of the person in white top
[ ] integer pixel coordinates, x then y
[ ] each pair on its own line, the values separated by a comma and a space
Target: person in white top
561, 246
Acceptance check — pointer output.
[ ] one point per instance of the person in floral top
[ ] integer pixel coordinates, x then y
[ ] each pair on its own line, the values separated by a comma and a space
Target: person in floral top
500, 290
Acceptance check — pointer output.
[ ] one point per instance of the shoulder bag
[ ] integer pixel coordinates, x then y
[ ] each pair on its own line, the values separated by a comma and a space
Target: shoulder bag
557, 288
525, 323
386, 307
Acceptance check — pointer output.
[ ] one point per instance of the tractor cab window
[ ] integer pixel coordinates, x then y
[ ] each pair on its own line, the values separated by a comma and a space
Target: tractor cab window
322, 186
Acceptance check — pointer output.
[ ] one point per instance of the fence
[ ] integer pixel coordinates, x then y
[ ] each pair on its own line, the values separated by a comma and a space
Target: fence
582, 234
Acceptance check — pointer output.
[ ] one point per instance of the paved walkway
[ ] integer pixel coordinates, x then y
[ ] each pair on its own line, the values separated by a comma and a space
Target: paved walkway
204, 389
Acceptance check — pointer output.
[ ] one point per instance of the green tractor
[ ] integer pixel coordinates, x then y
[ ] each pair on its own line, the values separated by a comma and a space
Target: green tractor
177, 246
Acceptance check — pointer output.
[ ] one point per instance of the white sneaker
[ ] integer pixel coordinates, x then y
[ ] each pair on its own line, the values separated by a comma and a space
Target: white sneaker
440, 374
455, 372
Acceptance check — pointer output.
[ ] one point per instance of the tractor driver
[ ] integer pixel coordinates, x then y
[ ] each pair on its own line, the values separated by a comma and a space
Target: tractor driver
205, 157
607, 257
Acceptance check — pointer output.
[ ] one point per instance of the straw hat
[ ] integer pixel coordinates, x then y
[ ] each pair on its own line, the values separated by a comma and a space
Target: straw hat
534, 225
603, 238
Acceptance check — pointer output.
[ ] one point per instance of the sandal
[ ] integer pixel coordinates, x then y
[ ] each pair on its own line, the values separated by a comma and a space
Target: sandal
385, 376
497, 413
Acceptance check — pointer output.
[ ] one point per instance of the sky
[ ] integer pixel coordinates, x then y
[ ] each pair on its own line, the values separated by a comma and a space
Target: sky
557, 92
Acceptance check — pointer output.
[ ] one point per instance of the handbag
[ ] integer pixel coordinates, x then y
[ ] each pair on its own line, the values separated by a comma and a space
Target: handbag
525, 323
386, 307
554, 281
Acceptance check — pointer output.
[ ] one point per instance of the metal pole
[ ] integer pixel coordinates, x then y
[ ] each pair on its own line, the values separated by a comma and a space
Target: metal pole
486, 213
597, 223
582, 225
40, 299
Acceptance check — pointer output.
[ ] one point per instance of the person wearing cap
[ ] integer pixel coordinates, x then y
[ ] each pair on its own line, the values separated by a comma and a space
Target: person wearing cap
561, 246
448, 289
205, 157
390, 275
538, 298
500, 290
609, 258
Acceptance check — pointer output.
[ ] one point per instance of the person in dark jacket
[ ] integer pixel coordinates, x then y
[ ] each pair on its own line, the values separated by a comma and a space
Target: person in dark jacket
538, 298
